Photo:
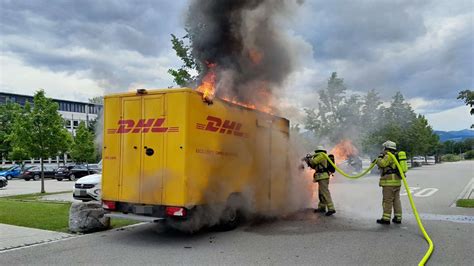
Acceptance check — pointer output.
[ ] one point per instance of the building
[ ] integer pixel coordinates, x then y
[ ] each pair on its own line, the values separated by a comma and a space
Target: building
73, 113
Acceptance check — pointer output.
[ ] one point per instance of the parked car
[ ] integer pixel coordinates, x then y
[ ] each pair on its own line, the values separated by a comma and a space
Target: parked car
3, 181
34, 172
430, 160
73, 172
418, 161
88, 188
14, 171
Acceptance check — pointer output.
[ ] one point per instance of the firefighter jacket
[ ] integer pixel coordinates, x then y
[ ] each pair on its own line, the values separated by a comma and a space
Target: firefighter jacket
319, 163
389, 176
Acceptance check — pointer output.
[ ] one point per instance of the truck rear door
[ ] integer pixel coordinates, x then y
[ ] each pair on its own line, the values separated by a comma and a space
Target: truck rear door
142, 149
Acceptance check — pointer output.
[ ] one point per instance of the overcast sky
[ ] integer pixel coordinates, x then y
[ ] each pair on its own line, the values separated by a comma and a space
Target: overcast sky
81, 49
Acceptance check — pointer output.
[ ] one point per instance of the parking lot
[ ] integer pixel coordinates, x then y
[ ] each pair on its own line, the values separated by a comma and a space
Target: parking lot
20, 186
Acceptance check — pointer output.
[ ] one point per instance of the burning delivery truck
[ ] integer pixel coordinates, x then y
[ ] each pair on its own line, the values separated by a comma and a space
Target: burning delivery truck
170, 156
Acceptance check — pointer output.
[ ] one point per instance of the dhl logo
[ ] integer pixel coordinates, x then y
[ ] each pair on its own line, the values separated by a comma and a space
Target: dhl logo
154, 125
215, 124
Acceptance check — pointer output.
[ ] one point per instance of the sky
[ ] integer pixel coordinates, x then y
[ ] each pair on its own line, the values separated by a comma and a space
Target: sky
80, 49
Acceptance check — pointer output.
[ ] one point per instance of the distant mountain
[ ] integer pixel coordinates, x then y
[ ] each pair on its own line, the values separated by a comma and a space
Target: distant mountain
455, 135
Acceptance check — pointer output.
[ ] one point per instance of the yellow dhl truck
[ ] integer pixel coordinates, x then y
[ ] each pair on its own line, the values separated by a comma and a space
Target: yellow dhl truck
167, 155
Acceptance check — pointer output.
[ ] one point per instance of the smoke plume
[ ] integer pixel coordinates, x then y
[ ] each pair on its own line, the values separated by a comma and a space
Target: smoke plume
244, 44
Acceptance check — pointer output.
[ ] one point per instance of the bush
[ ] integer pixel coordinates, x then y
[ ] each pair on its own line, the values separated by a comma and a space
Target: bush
469, 155
450, 158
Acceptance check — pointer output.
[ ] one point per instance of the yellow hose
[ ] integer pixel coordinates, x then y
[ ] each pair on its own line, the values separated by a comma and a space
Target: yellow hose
415, 212
412, 203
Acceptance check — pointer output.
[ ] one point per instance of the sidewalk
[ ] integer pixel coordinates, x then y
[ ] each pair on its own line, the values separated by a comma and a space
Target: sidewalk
12, 236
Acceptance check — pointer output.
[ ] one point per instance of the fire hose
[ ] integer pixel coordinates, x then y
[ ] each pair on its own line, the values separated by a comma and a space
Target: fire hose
412, 203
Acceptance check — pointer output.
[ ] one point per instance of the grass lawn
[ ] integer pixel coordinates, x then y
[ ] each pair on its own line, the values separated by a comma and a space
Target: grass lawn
466, 203
29, 211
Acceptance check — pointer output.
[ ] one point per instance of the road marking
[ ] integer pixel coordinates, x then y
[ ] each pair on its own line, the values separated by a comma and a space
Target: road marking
426, 192
468, 189
423, 193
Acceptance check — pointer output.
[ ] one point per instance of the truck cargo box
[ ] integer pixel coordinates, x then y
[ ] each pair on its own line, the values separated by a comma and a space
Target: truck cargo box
166, 151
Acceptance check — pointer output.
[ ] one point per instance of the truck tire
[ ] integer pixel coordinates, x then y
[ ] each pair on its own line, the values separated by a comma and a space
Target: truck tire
27, 179
72, 177
59, 179
36, 177
229, 220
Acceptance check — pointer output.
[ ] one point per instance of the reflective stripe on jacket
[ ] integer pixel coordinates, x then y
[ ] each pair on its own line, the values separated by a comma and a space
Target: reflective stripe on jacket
319, 163
388, 180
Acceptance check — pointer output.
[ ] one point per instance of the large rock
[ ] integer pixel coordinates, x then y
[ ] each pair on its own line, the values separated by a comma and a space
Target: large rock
86, 217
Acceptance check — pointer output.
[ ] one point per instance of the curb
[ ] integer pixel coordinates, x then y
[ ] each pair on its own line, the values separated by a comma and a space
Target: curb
466, 192
6, 249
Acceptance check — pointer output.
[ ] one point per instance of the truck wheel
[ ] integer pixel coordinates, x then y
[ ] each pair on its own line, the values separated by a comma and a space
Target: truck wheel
72, 177
36, 177
9, 177
59, 179
230, 219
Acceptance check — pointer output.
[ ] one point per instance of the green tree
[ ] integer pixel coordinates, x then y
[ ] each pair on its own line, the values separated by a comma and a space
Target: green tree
8, 112
468, 97
392, 124
97, 100
40, 131
183, 76
371, 111
421, 138
83, 149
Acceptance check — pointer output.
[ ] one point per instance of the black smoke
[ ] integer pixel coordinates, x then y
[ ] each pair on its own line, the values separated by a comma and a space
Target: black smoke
245, 41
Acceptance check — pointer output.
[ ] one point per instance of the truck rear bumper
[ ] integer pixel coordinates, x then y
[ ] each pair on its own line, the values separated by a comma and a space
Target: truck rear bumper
134, 217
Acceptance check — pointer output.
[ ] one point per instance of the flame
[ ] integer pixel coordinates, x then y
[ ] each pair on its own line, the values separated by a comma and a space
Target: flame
343, 150
255, 56
208, 90
208, 85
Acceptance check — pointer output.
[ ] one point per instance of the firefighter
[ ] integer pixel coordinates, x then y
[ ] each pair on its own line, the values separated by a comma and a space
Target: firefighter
390, 181
321, 175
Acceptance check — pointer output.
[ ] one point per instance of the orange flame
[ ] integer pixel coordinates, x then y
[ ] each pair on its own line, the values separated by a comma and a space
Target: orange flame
208, 85
208, 90
343, 150
255, 56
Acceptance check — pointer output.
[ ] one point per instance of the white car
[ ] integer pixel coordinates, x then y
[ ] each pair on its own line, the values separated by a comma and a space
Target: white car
88, 188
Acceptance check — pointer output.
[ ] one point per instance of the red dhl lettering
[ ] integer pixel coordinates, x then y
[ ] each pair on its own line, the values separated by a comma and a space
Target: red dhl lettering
153, 125
216, 124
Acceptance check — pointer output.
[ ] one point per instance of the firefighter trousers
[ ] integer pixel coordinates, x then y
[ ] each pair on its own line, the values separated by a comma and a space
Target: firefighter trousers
324, 195
391, 199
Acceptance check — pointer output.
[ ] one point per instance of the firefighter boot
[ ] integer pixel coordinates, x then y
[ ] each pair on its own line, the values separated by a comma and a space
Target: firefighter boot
320, 210
382, 221
330, 212
396, 220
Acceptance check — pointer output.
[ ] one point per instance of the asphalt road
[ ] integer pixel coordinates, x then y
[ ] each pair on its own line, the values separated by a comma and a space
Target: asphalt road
20, 186
349, 237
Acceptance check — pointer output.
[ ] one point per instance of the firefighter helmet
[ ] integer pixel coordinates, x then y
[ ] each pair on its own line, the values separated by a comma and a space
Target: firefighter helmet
320, 148
390, 145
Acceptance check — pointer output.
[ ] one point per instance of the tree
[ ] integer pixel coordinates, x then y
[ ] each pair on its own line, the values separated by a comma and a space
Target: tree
97, 100
468, 97
371, 111
40, 131
83, 149
183, 75
8, 112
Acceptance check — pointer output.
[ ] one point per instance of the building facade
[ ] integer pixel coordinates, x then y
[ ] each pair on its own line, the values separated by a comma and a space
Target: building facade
73, 113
